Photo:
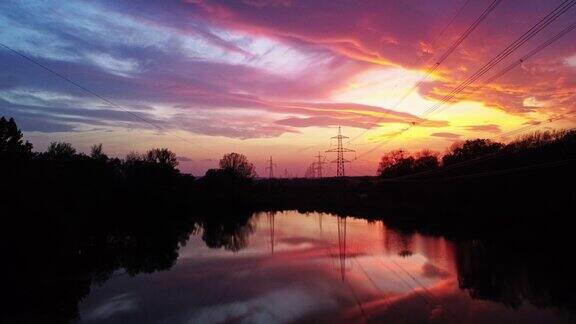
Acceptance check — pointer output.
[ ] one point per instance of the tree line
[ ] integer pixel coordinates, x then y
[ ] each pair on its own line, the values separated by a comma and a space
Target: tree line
63, 179
528, 148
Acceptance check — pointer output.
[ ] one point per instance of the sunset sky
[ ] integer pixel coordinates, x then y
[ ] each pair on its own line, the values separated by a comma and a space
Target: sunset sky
276, 77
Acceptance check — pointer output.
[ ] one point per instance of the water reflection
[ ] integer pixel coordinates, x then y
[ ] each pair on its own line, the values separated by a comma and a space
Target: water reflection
286, 267
278, 267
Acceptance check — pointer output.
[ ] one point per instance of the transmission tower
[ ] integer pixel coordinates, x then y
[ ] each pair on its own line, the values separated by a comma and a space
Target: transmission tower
321, 161
270, 168
340, 150
311, 171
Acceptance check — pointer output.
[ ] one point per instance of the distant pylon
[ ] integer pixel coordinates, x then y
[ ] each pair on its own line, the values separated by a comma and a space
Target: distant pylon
321, 161
339, 150
311, 171
270, 168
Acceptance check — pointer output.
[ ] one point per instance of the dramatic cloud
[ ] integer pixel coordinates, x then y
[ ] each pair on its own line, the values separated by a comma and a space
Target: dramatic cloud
446, 135
484, 128
274, 68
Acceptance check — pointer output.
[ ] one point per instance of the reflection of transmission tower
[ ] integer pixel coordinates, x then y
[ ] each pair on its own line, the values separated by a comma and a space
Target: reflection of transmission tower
271, 228
339, 150
270, 167
321, 161
342, 245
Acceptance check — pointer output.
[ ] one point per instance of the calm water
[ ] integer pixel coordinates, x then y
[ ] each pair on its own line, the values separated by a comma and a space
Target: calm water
290, 267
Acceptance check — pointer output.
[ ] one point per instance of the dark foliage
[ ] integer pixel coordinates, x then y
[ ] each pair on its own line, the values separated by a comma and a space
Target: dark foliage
398, 163
71, 220
231, 182
471, 149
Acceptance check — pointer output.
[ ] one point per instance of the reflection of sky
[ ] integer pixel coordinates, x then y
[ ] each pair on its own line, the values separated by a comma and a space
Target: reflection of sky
302, 280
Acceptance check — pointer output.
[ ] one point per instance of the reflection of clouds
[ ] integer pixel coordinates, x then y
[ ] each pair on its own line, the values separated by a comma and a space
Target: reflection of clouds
451, 305
301, 282
431, 271
280, 306
118, 304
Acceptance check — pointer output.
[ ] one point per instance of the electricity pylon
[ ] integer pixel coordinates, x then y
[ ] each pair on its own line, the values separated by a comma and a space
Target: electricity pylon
340, 150
321, 161
311, 171
270, 167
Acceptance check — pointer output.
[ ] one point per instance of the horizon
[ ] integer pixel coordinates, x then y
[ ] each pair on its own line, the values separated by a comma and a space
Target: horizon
277, 78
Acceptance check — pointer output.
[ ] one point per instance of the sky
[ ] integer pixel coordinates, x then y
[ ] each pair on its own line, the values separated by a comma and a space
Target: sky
278, 77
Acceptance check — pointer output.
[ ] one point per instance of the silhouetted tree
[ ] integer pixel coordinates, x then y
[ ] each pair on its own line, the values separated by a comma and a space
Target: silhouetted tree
228, 231
60, 150
133, 157
97, 153
231, 182
471, 149
155, 168
426, 160
11, 139
163, 157
239, 165
395, 163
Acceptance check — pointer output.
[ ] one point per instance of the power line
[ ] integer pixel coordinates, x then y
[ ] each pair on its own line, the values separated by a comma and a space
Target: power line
469, 162
527, 56
445, 55
453, 47
538, 124
428, 292
385, 300
405, 282
512, 47
433, 44
533, 31
95, 94
342, 256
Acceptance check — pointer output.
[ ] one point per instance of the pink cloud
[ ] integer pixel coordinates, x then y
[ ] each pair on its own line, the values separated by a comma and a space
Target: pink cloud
484, 128
446, 135
401, 32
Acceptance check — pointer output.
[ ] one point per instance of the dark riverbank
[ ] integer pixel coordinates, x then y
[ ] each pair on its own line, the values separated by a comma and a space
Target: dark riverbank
72, 220
480, 184
466, 202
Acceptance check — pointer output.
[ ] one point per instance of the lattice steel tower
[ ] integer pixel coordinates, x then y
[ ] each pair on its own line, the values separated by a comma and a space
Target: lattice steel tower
270, 168
319, 168
340, 150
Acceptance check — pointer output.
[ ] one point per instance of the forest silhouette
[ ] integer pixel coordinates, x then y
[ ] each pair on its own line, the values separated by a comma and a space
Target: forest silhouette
424, 185
85, 216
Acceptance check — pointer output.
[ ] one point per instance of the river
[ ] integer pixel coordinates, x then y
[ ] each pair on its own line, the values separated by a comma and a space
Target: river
284, 267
